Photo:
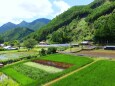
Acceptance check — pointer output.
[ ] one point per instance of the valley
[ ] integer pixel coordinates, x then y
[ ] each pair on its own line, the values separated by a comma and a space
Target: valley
58, 43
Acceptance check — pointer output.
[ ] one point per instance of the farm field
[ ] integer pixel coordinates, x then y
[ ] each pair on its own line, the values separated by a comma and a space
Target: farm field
101, 73
68, 59
29, 73
46, 68
98, 53
15, 54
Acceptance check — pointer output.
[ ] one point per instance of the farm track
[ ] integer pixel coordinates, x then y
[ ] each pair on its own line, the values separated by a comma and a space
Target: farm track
66, 75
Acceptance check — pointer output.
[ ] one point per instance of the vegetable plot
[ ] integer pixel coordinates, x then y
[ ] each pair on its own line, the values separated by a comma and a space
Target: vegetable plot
46, 68
31, 72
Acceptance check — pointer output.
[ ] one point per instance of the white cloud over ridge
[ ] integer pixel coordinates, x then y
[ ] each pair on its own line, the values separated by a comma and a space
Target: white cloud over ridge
62, 5
17, 10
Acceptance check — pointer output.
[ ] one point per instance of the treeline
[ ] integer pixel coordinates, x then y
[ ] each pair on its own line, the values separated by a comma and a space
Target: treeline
105, 29
104, 9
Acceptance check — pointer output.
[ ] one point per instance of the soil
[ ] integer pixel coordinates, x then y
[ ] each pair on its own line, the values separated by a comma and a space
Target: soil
96, 53
54, 63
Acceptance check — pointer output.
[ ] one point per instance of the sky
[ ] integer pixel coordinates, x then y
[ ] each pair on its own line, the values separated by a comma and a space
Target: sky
16, 11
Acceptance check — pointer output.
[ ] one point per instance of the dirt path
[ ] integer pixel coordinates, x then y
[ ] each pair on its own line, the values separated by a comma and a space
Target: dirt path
66, 75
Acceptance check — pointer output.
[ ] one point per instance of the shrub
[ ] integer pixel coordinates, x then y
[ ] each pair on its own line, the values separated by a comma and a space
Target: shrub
51, 50
62, 48
2, 49
42, 52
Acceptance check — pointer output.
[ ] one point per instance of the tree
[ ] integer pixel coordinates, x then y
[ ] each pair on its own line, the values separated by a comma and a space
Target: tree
30, 43
105, 32
1, 40
6, 43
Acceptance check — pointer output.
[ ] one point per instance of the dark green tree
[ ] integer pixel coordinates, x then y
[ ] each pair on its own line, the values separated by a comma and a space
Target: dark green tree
30, 43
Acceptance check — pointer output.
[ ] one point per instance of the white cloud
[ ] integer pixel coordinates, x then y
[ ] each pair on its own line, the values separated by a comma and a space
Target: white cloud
63, 6
16, 10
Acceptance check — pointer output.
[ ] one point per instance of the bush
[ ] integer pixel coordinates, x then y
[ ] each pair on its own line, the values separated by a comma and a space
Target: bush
2, 49
51, 50
42, 52
62, 48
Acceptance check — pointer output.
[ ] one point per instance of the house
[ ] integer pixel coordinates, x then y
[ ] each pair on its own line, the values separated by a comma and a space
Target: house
109, 47
1, 65
42, 43
85, 42
1, 45
74, 45
9, 48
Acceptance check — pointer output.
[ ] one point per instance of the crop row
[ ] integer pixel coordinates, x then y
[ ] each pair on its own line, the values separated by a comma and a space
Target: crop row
46, 68
31, 72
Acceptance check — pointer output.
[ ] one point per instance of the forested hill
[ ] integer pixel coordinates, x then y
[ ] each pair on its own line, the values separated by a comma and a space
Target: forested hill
89, 22
34, 25
16, 34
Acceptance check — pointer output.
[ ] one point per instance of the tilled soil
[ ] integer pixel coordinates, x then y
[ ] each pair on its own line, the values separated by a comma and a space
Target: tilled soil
109, 54
54, 63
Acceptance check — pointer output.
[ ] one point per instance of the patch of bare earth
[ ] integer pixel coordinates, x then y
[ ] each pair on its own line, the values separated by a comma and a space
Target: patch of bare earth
54, 63
98, 53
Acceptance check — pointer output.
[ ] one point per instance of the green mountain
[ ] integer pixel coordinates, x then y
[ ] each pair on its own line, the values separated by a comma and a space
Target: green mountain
79, 23
34, 25
16, 34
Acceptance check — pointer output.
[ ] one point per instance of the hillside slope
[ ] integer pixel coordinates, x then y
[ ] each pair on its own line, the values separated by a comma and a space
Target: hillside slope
75, 24
16, 34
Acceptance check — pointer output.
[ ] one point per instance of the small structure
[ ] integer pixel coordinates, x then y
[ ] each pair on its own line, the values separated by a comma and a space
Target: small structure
1, 45
42, 43
9, 48
85, 42
1, 65
109, 47
75, 45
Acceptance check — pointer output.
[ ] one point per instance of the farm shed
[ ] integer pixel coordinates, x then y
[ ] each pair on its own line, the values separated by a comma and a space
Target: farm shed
42, 43
109, 47
1, 65
85, 42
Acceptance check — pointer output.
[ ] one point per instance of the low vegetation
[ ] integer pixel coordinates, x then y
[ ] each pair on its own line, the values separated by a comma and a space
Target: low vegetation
49, 69
30, 71
33, 74
20, 78
101, 73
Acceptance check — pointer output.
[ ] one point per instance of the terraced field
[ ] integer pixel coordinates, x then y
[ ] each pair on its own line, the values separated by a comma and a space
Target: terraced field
30, 73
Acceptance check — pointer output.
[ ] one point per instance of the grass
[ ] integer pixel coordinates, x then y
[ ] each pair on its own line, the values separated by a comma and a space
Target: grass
102, 73
77, 60
29, 71
28, 76
20, 78
5, 80
74, 49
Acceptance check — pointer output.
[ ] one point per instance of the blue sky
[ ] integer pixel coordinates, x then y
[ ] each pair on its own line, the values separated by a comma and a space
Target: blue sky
28, 10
